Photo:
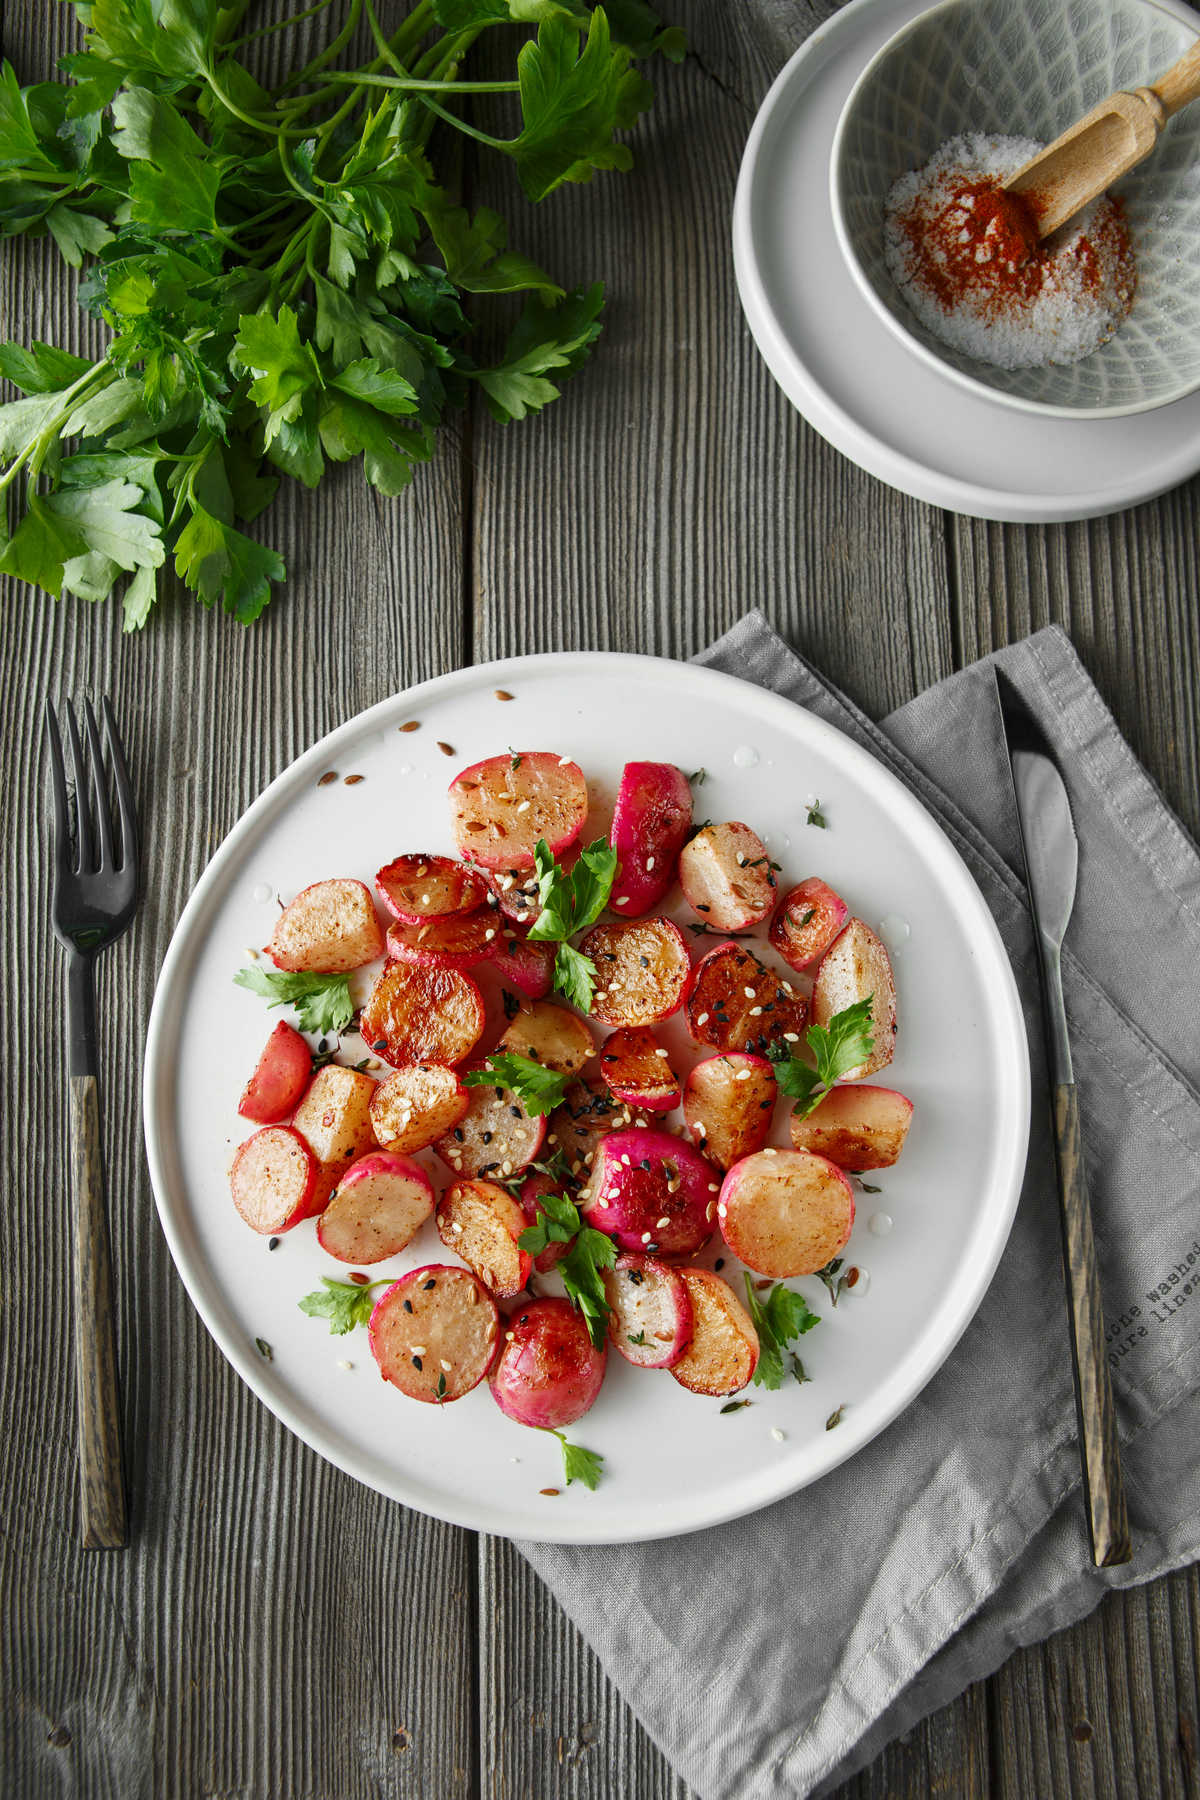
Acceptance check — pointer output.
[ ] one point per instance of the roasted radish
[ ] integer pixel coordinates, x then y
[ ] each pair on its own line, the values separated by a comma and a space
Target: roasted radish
328, 929
857, 967
548, 1372
499, 808
856, 1127
527, 967
495, 1136
334, 1119
416, 888
726, 876
273, 1179
651, 1191
642, 971
281, 1074
417, 1104
650, 824
415, 1015
576, 1127
809, 918
728, 1103
786, 1212
516, 893
458, 941
651, 1319
434, 1333
380, 1204
481, 1223
723, 1353
737, 1003
550, 1035
638, 1069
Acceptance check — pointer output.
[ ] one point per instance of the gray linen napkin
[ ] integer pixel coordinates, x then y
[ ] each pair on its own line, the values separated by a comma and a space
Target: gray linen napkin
775, 1655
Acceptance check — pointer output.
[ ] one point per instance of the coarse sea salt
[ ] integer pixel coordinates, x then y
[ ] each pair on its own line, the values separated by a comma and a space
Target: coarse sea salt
1088, 273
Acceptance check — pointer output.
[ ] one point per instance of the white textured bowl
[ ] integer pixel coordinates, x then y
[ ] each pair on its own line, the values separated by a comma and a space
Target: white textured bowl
1029, 68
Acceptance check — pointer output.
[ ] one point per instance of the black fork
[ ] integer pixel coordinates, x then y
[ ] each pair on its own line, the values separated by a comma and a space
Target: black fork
94, 899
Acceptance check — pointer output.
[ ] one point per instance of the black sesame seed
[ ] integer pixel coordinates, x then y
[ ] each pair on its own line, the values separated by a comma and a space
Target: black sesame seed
515, 1111
408, 1306
416, 1362
458, 1134
426, 1285
379, 1044
487, 1137
720, 1263
272, 1243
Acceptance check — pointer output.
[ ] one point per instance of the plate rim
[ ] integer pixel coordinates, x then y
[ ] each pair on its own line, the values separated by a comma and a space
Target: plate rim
961, 1304
807, 393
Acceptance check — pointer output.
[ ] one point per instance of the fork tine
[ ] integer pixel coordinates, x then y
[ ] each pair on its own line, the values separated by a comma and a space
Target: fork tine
79, 775
100, 787
126, 809
62, 817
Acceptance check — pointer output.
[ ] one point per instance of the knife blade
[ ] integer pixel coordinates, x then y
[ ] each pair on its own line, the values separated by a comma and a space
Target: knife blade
1050, 851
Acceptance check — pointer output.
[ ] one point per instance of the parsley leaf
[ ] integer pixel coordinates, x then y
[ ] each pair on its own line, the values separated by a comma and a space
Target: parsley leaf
572, 900
322, 1002
575, 977
556, 1223
344, 1303
591, 1252
538, 1089
779, 1318
578, 1464
838, 1047
572, 102
546, 340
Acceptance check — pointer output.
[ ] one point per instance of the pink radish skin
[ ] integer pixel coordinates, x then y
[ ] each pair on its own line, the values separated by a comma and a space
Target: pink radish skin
650, 1324
729, 1105
328, 929
273, 1179
500, 807
548, 1372
529, 968
668, 1207
457, 942
786, 1212
282, 1073
380, 1204
637, 1070
726, 876
810, 916
445, 1337
416, 888
651, 822
534, 1188
857, 1127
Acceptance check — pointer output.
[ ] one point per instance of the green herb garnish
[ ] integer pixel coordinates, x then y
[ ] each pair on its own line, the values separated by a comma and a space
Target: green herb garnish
322, 1002
538, 1089
571, 901
816, 817
558, 1222
838, 1047
578, 1464
782, 1316
344, 1303
732, 1406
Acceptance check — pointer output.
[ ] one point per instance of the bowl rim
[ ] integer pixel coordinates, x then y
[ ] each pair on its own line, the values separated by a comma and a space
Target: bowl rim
900, 331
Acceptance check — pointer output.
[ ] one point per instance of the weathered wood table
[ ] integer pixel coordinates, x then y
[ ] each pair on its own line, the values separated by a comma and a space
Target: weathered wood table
276, 1632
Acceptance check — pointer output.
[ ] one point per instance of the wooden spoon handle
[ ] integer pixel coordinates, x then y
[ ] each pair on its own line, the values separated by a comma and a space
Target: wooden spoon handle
1104, 1490
1180, 84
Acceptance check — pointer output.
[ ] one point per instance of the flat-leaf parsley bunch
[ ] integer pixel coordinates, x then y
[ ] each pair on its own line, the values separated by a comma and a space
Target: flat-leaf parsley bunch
284, 276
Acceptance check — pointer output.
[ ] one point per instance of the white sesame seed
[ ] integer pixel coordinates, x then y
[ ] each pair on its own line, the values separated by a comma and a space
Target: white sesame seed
791, 1037
649, 864
749, 993
661, 1224
702, 1019
700, 1128
456, 1227
788, 988
640, 1122
777, 1434
564, 762
508, 1336
424, 899
525, 806
251, 953
601, 993
506, 1168
661, 1052
552, 1137
714, 1187
488, 935
621, 900
646, 1238
743, 1075
770, 1150
419, 1350
507, 881
625, 1160
721, 1210
345, 1365
741, 861
445, 1365
755, 1011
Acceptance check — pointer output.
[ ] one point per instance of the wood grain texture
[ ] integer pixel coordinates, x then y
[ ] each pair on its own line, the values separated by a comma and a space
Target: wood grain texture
102, 1515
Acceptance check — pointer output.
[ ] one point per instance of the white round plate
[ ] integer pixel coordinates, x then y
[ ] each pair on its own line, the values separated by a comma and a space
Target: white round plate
673, 1461
877, 401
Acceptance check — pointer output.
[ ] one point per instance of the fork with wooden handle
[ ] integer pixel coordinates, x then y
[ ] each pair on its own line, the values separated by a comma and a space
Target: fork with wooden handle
94, 899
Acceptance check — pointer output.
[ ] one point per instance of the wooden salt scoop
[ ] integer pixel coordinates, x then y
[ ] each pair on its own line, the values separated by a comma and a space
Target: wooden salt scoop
1105, 144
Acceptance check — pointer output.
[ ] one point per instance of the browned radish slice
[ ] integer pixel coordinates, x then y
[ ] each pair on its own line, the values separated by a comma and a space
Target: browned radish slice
550, 1035
495, 1136
422, 1015
809, 918
651, 820
415, 888
416, 1104
651, 1191
527, 967
638, 1069
516, 893
434, 1333
726, 876
334, 1119
381, 1203
534, 1188
328, 929
548, 1372
651, 1318
728, 1103
273, 1179
786, 1212
737, 1003
481, 1222
587, 1114
500, 807
857, 967
856, 1127
282, 1073
642, 971
457, 942
723, 1353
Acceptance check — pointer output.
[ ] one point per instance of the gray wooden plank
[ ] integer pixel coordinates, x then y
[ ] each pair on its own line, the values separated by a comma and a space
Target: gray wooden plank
274, 1628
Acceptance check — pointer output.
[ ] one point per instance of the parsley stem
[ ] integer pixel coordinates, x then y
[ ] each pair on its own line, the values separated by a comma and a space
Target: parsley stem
332, 50
279, 25
407, 84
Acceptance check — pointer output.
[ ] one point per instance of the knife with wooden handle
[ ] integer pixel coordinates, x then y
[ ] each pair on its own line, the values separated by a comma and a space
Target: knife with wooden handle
1051, 853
